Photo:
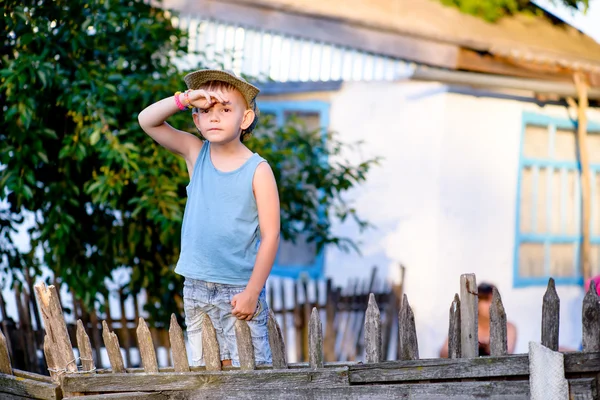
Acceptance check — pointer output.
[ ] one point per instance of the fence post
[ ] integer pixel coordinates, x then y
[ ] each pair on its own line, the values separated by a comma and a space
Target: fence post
146, 347
85, 348
550, 317
407, 332
454, 329
276, 342
56, 328
498, 340
591, 320
315, 340
180, 359
50, 361
5, 366
111, 342
469, 339
210, 345
244, 343
372, 332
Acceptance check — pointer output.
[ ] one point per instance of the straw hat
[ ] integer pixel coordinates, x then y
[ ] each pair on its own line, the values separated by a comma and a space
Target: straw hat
195, 80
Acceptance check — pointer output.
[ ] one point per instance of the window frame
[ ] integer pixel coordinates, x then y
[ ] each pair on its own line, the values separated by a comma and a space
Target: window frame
279, 108
552, 124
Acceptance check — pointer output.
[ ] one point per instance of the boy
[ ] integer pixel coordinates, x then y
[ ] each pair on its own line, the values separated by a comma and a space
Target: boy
230, 231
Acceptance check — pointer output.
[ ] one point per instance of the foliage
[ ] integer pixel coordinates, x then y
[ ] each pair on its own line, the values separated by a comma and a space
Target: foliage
493, 10
103, 195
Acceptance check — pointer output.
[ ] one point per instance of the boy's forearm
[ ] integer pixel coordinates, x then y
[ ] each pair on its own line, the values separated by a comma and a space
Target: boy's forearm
156, 114
264, 263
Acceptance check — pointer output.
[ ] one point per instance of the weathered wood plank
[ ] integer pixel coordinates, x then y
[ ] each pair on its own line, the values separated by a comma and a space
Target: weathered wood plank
469, 344
146, 347
5, 365
243, 338
85, 348
479, 367
178, 350
124, 396
28, 388
238, 379
591, 320
30, 375
454, 329
315, 340
498, 341
407, 332
111, 342
50, 362
56, 328
372, 332
513, 390
550, 317
210, 345
276, 342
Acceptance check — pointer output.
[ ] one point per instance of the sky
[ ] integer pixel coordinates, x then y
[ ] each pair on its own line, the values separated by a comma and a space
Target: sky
588, 23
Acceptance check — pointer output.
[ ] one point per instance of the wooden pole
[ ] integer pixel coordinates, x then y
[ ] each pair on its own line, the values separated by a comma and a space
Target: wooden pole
469, 314
582, 150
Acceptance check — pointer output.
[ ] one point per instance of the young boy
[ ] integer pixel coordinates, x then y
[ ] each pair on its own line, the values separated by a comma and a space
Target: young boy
230, 232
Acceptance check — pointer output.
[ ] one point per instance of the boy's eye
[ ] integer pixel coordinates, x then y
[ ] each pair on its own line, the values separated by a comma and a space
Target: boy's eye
227, 109
204, 111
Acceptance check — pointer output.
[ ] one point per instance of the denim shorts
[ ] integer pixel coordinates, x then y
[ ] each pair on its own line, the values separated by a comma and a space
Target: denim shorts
202, 298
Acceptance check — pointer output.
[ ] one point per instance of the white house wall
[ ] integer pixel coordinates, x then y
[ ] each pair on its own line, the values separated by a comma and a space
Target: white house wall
443, 200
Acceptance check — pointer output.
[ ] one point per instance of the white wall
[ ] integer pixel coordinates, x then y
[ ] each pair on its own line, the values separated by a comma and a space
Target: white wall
443, 200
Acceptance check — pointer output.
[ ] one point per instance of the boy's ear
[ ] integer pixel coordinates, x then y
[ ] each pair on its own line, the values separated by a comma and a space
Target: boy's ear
248, 118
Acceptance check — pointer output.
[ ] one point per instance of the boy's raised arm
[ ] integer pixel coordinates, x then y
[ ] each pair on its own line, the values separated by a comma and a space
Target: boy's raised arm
152, 120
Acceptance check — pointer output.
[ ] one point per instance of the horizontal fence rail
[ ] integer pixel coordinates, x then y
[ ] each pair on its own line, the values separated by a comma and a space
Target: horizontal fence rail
466, 376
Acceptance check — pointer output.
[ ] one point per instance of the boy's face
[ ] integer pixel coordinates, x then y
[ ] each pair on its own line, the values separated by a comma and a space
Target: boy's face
223, 123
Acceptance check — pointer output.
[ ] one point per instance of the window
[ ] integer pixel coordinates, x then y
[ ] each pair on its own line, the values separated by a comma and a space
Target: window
294, 259
548, 224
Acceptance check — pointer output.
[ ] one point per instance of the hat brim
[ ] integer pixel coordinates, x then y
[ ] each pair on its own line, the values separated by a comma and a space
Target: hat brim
195, 80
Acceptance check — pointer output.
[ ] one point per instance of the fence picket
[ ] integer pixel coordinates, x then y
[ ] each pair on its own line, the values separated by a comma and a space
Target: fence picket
315, 340
147, 352
550, 317
498, 342
50, 360
111, 342
244, 343
5, 365
210, 345
591, 320
469, 345
454, 328
85, 348
178, 350
56, 327
407, 333
276, 342
372, 332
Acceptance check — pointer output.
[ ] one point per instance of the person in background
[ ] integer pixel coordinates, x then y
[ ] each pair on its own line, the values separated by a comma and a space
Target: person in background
484, 294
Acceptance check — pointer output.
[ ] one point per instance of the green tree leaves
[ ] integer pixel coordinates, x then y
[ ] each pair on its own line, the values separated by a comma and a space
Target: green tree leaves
493, 10
103, 195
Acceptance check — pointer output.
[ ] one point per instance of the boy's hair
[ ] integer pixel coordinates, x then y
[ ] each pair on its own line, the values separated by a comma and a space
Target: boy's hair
226, 86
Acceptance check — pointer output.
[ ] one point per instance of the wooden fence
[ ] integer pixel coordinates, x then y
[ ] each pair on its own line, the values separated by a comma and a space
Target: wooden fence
292, 301
463, 376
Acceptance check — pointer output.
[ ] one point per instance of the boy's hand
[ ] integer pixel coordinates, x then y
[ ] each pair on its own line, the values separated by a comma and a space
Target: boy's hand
204, 99
244, 305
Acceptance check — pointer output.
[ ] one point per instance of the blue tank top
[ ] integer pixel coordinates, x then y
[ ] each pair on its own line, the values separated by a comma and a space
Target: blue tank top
220, 233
